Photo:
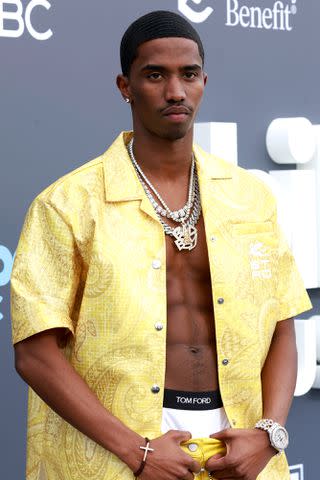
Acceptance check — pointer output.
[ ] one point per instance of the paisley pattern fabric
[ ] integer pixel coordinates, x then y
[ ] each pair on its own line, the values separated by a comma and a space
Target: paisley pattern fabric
85, 262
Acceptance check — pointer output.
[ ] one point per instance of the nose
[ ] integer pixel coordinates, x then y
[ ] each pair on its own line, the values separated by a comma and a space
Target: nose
175, 91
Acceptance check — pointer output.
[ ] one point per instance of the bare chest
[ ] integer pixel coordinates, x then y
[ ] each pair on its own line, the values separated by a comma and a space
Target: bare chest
189, 293
191, 351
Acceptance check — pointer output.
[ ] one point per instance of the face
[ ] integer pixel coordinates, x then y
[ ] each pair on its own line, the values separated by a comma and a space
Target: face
165, 87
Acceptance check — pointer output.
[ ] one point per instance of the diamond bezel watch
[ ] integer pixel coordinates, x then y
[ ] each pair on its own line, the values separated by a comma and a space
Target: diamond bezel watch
279, 437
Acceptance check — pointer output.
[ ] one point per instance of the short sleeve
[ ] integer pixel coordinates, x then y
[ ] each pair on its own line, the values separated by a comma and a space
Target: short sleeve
45, 274
291, 293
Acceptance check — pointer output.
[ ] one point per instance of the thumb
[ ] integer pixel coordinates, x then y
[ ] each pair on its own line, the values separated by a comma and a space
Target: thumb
217, 464
217, 456
224, 435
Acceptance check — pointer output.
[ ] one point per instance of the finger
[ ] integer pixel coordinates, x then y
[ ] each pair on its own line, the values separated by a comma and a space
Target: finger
217, 464
174, 434
217, 456
188, 476
181, 436
182, 472
224, 435
194, 466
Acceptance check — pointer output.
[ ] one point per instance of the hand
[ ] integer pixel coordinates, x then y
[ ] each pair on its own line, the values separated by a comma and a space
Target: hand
168, 461
248, 452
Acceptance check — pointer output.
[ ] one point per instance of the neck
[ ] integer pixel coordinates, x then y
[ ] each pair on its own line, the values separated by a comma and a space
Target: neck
165, 159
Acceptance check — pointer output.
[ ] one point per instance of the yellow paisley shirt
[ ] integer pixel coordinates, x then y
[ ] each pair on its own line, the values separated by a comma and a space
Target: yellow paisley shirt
85, 261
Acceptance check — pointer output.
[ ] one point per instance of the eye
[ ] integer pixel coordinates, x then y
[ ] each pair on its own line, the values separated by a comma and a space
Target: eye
154, 75
190, 75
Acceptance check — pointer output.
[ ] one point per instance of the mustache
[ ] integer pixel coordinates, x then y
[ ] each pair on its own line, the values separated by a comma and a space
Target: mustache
176, 108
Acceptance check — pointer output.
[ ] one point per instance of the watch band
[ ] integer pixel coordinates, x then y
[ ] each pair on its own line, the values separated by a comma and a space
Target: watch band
265, 424
278, 435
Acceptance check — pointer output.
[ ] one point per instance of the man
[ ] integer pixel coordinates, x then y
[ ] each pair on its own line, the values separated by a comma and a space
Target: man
153, 296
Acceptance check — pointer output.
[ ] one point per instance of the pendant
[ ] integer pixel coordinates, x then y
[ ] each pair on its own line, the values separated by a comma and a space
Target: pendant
186, 237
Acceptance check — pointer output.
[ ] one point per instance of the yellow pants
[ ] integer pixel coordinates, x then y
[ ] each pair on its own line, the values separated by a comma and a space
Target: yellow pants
201, 449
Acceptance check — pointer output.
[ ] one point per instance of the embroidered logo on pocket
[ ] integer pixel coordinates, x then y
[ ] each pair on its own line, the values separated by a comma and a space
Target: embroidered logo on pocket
259, 261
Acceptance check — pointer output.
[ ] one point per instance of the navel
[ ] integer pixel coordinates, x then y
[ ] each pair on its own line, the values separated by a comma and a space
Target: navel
193, 349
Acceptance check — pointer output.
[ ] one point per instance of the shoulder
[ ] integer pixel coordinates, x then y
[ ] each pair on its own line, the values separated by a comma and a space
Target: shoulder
254, 182
86, 185
246, 186
76, 189
76, 182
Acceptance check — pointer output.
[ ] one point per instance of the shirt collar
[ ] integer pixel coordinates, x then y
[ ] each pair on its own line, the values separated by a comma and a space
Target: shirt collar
122, 183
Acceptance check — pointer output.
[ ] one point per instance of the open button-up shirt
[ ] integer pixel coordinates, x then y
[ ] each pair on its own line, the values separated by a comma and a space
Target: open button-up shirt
92, 259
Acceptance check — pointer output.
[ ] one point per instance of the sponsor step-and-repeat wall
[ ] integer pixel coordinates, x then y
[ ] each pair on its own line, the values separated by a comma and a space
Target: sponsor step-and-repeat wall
59, 107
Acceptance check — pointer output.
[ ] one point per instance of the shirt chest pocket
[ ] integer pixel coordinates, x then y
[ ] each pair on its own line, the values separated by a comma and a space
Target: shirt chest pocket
256, 244
252, 228
255, 238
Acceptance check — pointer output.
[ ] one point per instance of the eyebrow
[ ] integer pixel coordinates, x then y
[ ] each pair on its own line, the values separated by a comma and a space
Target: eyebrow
161, 68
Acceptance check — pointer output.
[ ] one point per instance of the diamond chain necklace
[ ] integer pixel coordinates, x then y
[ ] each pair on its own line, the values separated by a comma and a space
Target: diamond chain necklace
177, 215
186, 235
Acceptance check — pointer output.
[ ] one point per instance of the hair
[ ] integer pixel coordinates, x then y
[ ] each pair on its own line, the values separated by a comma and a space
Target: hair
153, 25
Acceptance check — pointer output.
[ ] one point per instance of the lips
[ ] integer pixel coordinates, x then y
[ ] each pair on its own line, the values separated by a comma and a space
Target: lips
176, 111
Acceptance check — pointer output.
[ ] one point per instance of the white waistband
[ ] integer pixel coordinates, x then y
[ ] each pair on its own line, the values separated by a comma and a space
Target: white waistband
200, 423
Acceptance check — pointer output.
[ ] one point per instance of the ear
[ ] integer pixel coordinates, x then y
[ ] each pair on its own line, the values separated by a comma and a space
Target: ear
123, 85
205, 78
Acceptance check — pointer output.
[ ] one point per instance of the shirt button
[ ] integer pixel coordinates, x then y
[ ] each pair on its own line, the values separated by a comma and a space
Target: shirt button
213, 239
225, 361
234, 422
155, 389
220, 301
158, 326
193, 447
156, 264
